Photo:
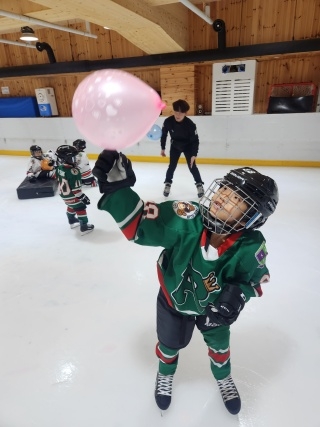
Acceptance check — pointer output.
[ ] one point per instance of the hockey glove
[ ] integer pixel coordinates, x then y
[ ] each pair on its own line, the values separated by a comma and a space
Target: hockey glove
84, 199
227, 307
114, 171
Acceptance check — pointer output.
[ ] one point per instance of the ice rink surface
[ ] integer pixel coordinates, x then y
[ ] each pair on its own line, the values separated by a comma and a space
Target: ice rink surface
77, 316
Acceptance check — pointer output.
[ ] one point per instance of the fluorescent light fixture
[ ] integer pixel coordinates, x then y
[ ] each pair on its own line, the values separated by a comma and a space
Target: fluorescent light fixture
27, 34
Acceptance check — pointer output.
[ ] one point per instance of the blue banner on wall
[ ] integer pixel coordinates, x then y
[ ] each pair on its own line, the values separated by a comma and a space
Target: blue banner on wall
22, 106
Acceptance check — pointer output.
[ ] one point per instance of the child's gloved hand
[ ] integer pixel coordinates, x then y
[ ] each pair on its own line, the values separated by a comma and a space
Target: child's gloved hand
114, 171
227, 307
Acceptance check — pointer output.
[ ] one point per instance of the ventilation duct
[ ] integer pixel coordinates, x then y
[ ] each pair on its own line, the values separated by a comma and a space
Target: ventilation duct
45, 46
219, 27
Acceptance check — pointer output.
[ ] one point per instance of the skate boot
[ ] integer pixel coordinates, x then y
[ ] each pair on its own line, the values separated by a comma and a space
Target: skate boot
167, 188
230, 395
74, 222
163, 391
86, 228
200, 189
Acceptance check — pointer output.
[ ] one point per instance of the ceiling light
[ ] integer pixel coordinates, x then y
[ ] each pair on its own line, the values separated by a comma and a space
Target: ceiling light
27, 34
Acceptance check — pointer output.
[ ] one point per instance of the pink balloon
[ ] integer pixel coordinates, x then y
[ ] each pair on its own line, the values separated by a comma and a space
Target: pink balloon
114, 109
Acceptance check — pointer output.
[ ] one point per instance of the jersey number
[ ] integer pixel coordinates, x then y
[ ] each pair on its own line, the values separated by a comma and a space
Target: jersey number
65, 188
150, 211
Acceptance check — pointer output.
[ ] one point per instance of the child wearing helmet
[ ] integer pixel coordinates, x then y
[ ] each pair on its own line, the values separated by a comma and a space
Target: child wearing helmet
69, 178
83, 163
213, 261
40, 165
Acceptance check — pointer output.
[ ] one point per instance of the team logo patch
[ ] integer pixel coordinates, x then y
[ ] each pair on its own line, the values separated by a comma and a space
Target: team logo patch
185, 210
74, 171
261, 255
210, 283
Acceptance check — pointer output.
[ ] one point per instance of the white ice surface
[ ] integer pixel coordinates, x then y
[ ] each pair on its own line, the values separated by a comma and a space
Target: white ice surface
77, 316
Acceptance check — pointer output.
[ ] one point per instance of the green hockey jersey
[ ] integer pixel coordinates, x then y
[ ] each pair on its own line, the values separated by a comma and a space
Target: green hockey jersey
190, 275
69, 179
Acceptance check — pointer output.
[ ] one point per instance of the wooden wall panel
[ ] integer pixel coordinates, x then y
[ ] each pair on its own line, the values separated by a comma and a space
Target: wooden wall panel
65, 86
190, 82
15, 56
201, 33
277, 71
307, 20
84, 48
68, 47
247, 22
256, 21
59, 42
122, 48
204, 87
149, 76
230, 11
267, 21
178, 82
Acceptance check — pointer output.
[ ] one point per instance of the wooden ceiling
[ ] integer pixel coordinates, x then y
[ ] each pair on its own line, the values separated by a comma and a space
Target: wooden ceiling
154, 26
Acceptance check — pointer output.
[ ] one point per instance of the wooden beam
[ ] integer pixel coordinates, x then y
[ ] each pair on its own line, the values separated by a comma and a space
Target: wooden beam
165, 2
153, 30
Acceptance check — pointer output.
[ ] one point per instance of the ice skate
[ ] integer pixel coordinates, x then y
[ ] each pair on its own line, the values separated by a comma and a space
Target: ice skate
200, 189
163, 391
167, 188
230, 395
86, 228
74, 222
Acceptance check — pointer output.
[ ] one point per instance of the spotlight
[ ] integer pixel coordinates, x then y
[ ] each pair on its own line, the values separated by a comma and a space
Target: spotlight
27, 34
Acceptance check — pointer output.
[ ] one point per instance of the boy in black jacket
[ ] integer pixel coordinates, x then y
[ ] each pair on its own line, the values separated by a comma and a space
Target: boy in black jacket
184, 139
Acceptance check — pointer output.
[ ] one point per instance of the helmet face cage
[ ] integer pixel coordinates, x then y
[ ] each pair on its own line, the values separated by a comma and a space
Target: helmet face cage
34, 149
67, 154
234, 219
80, 144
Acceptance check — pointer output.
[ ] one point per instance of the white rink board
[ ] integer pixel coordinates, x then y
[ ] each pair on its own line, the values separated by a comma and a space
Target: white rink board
263, 136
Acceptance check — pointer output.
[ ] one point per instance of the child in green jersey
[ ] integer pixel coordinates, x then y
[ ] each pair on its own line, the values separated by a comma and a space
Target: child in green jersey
213, 261
69, 178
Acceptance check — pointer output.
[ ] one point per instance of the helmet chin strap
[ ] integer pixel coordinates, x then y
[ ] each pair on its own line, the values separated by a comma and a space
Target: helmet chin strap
218, 227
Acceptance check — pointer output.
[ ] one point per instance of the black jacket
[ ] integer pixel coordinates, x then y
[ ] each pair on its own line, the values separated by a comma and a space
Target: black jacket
184, 135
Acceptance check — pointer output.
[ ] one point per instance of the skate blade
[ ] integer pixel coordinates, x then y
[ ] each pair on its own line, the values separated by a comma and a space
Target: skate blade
86, 232
76, 224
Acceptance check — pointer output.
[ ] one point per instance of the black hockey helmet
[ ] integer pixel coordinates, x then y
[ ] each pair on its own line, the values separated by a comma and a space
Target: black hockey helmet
67, 154
34, 149
80, 144
258, 191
